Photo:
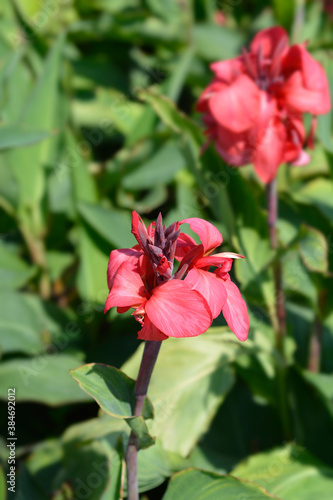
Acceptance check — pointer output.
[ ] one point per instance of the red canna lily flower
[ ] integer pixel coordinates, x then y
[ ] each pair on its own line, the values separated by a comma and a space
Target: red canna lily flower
165, 305
162, 310
139, 278
216, 287
253, 109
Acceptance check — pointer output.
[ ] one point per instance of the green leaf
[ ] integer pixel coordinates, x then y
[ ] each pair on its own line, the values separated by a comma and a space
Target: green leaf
190, 380
14, 272
290, 473
214, 43
155, 465
159, 169
39, 112
319, 193
173, 118
113, 225
139, 427
94, 257
314, 250
3, 485
110, 387
23, 332
13, 137
297, 277
323, 383
199, 485
42, 379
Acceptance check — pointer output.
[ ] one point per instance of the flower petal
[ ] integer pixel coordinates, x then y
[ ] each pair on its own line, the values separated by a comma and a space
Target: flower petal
117, 257
236, 107
210, 287
268, 40
306, 88
185, 243
269, 152
228, 70
127, 290
210, 236
235, 311
150, 332
178, 311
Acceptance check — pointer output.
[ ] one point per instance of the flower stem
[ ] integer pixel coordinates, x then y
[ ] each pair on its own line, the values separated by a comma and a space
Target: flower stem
148, 361
272, 206
280, 322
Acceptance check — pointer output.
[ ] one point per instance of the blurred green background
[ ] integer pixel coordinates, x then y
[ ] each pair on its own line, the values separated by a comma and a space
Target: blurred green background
98, 119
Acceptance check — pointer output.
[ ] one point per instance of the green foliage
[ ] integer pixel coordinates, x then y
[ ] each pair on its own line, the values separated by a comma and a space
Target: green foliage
97, 112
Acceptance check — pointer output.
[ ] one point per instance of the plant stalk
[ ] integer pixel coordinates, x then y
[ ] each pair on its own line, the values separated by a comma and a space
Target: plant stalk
272, 206
280, 323
148, 361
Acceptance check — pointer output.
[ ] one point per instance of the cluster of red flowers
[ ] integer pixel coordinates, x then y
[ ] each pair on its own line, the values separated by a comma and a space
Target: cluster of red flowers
165, 304
253, 109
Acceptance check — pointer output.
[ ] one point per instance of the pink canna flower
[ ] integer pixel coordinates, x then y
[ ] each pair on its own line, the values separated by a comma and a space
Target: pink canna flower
220, 292
165, 305
253, 109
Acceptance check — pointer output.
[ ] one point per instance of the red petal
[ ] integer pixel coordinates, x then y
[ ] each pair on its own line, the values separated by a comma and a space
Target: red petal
306, 88
235, 311
127, 290
267, 41
269, 152
178, 311
234, 147
150, 332
237, 106
228, 70
218, 259
117, 257
210, 287
185, 243
210, 236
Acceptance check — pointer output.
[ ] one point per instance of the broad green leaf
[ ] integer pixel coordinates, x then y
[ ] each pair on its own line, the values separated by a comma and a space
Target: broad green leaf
312, 414
296, 276
199, 485
14, 137
173, 118
3, 485
113, 225
190, 380
319, 193
314, 250
290, 473
27, 486
39, 112
14, 272
58, 262
323, 383
214, 43
19, 332
159, 169
94, 257
155, 465
139, 427
111, 389
42, 379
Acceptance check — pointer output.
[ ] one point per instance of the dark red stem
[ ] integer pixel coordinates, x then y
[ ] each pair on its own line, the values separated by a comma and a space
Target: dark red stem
272, 206
148, 361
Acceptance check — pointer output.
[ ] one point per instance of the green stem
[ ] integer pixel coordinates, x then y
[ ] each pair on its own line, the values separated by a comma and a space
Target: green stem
148, 361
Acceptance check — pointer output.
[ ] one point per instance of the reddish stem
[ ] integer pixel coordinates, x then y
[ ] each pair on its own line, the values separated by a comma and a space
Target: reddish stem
272, 206
148, 361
